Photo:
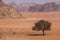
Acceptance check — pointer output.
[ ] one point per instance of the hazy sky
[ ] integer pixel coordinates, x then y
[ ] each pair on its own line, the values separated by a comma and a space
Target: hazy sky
30, 1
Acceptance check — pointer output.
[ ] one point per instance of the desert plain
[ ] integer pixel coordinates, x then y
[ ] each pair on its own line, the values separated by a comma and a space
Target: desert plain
21, 29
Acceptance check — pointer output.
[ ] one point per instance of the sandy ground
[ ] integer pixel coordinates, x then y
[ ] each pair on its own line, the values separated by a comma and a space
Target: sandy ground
23, 27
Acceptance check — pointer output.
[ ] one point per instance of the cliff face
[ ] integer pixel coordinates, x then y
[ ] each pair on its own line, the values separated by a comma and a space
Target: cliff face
7, 11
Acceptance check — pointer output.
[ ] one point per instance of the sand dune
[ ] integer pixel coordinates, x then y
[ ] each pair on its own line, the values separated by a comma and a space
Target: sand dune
23, 27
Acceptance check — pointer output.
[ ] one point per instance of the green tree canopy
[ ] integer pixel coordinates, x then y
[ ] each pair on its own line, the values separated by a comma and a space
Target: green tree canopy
42, 25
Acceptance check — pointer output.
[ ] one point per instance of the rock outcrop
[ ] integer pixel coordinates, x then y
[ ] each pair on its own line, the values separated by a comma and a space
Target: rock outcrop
8, 11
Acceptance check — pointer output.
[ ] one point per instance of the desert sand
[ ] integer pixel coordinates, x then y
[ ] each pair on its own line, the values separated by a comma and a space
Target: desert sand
21, 29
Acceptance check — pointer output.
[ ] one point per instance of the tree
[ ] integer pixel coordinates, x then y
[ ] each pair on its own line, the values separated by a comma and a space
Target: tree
42, 25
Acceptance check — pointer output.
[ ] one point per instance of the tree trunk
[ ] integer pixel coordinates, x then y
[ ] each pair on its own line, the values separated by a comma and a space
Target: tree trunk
43, 32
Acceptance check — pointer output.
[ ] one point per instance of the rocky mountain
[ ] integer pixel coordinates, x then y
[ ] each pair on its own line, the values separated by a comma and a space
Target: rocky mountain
52, 6
25, 6
8, 11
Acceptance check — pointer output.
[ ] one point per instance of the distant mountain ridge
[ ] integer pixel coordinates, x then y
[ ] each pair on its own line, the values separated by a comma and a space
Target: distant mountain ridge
24, 6
52, 6
9, 11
